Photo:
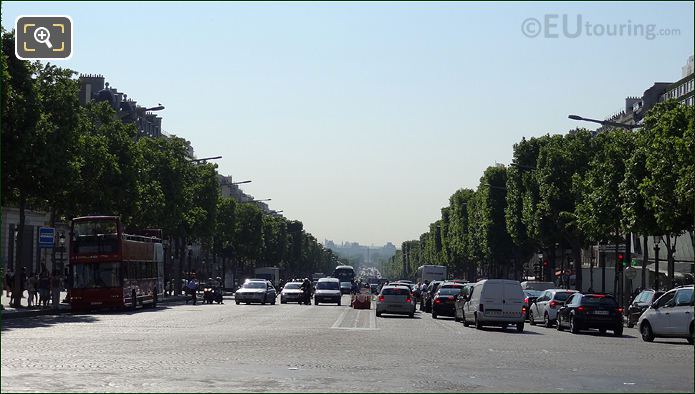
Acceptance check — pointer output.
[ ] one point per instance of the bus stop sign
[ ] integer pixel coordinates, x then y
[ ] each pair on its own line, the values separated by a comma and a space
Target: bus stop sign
46, 237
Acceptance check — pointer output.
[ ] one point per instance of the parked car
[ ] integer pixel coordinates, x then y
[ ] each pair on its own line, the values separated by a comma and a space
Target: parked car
537, 285
584, 311
444, 301
261, 291
671, 316
642, 301
426, 304
546, 306
292, 292
461, 299
328, 290
531, 296
495, 302
396, 300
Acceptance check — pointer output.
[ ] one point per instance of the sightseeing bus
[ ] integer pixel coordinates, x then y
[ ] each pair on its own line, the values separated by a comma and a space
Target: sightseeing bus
111, 269
346, 274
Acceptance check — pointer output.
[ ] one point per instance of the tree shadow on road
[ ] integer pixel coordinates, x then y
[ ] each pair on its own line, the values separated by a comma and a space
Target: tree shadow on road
45, 321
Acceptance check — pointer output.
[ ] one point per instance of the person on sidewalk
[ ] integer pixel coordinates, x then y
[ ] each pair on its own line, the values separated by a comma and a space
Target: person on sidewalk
9, 283
192, 287
44, 286
18, 294
31, 289
56, 287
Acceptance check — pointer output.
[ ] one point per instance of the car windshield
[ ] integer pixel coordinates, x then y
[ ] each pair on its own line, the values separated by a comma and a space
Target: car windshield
254, 285
395, 291
562, 295
291, 286
597, 300
532, 293
327, 286
450, 291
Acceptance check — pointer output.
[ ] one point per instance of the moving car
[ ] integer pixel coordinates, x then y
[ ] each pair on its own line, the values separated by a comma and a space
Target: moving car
495, 302
396, 300
546, 306
584, 311
292, 292
261, 291
328, 290
642, 301
671, 316
444, 301
427, 296
531, 296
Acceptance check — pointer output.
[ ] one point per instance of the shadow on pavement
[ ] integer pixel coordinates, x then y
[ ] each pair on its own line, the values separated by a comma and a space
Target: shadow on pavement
416, 317
510, 330
45, 321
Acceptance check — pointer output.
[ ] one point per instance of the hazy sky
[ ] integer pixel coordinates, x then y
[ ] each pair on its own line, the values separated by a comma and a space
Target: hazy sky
362, 119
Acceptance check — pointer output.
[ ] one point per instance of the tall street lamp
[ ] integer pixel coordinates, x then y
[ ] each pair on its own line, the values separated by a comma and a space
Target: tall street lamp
204, 159
241, 182
657, 239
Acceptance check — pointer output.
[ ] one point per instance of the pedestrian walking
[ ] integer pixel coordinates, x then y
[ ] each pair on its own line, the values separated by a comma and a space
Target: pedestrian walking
34, 283
192, 287
44, 287
9, 279
56, 287
18, 294
31, 289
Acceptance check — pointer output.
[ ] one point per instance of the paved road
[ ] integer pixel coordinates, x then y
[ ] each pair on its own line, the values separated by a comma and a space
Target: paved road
322, 348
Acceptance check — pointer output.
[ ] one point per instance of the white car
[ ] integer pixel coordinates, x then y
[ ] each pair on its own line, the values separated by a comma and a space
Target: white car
395, 299
546, 306
292, 292
671, 316
495, 302
261, 291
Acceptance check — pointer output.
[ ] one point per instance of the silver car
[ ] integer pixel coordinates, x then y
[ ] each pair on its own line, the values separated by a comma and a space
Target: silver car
395, 299
261, 291
292, 292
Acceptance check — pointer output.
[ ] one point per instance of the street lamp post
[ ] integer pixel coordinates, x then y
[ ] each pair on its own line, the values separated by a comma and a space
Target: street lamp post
657, 239
540, 264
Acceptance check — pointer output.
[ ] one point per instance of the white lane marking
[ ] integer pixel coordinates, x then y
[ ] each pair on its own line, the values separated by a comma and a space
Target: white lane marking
372, 320
340, 319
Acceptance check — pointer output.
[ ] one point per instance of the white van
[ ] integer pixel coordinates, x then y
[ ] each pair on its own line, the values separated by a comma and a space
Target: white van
327, 290
495, 302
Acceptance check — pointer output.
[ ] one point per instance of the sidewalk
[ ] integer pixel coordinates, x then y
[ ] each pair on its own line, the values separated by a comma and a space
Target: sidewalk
9, 312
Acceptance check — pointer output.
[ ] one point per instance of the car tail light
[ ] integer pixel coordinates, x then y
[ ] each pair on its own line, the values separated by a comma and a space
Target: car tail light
523, 309
481, 308
580, 309
619, 310
381, 298
526, 300
437, 301
553, 304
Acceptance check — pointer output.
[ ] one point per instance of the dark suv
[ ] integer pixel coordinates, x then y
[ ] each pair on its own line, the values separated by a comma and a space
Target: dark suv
584, 311
642, 301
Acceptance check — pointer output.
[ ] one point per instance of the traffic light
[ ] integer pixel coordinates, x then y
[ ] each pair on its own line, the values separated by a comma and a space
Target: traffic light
545, 263
621, 259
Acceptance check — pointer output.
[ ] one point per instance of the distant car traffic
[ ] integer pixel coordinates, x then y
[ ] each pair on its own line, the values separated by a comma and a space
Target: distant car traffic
395, 300
671, 316
546, 306
426, 304
642, 301
292, 292
584, 311
261, 291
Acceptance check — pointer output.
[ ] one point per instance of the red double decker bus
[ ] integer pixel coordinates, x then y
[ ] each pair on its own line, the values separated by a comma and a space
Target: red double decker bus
111, 269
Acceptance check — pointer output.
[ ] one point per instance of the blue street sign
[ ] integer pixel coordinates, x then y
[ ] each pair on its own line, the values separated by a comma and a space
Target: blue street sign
46, 237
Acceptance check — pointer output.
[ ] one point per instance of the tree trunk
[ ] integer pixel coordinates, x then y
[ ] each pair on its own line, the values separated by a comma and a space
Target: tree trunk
18, 266
576, 256
645, 260
616, 268
670, 250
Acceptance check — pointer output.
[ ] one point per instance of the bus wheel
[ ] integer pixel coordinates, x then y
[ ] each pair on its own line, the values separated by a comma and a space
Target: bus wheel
154, 298
133, 300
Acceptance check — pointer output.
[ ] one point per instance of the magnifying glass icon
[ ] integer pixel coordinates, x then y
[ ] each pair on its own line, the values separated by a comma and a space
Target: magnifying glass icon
42, 36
